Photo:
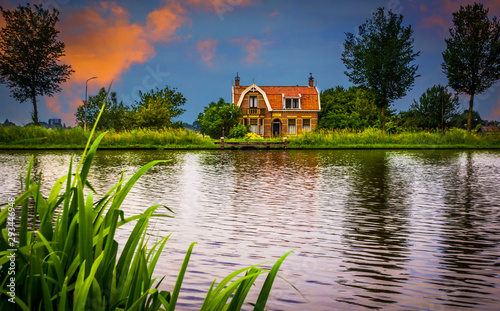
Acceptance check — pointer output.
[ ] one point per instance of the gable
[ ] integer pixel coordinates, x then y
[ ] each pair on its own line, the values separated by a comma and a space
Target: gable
274, 95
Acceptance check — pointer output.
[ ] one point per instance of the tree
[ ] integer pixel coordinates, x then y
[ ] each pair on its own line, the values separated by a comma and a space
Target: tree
115, 115
461, 120
380, 57
472, 55
352, 108
435, 108
29, 51
218, 118
157, 108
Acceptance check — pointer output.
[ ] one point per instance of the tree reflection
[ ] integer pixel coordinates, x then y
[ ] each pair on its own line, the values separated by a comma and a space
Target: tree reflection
376, 229
469, 237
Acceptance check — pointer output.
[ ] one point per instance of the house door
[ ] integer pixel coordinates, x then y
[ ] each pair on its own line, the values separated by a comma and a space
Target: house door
276, 128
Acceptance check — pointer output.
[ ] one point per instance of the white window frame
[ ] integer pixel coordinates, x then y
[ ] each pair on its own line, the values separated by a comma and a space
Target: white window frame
308, 128
255, 102
292, 128
292, 100
254, 128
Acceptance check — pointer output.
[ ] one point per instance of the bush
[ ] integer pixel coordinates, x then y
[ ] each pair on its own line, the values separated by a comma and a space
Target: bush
238, 131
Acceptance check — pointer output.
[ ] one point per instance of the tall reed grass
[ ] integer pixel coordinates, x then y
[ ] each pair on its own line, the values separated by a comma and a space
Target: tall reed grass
37, 137
66, 256
375, 138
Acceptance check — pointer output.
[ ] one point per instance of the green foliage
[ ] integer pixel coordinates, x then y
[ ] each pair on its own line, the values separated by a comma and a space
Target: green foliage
156, 109
472, 55
66, 257
114, 116
436, 105
380, 57
376, 138
38, 137
352, 108
238, 131
218, 119
460, 120
29, 54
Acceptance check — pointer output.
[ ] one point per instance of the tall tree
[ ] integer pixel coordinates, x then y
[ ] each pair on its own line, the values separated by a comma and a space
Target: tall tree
115, 115
29, 54
435, 108
219, 118
472, 55
381, 56
352, 108
157, 108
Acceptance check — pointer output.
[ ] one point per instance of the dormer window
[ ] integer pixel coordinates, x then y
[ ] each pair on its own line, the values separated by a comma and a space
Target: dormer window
252, 103
292, 103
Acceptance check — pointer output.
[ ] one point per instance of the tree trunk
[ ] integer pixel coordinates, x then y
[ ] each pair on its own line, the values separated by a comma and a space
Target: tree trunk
469, 119
383, 119
35, 110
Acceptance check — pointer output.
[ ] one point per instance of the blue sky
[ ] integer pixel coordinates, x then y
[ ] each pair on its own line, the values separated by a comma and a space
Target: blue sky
198, 46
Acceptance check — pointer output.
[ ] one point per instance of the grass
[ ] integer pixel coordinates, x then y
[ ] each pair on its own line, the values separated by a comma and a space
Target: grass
375, 138
65, 256
75, 138
36, 137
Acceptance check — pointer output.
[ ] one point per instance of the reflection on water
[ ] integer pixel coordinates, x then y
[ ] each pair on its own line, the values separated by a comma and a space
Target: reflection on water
371, 229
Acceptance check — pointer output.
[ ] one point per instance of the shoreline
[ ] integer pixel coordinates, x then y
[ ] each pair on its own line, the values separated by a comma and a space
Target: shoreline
185, 148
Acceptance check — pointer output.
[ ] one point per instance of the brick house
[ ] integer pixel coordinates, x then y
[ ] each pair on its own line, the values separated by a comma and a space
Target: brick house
277, 110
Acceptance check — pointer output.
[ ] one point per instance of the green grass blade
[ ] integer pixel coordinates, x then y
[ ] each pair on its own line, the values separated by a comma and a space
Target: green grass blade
180, 278
268, 284
243, 289
88, 160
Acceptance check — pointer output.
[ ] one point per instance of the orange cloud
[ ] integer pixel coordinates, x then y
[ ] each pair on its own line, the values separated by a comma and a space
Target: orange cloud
207, 50
164, 22
274, 13
251, 47
102, 41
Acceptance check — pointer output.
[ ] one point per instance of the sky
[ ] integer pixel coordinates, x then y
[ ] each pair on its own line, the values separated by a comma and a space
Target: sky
198, 47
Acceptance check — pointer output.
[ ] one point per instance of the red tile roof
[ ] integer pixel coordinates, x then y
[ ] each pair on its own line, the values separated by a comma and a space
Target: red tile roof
289, 91
309, 95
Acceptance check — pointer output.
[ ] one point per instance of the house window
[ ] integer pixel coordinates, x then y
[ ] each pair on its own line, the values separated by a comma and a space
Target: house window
292, 103
253, 102
306, 124
254, 126
292, 127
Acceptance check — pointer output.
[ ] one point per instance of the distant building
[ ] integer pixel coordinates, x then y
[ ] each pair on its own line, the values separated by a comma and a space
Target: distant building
278, 110
8, 123
55, 122
488, 130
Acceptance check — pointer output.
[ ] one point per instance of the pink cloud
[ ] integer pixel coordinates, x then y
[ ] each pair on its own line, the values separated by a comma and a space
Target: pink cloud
274, 13
207, 49
252, 47
216, 5
439, 15
495, 114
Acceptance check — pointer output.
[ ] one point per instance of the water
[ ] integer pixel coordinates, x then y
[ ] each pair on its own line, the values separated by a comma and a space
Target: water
370, 229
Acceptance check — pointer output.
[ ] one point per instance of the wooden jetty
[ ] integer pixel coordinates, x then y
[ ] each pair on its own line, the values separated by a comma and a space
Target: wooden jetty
252, 144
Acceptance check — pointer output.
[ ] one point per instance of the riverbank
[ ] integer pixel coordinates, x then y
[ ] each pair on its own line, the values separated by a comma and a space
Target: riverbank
19, 138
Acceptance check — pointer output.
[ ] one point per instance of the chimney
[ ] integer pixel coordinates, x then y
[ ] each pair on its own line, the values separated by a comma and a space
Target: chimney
311, 80
237, 80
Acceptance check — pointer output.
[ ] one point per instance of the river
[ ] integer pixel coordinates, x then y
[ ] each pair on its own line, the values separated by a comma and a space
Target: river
370, 229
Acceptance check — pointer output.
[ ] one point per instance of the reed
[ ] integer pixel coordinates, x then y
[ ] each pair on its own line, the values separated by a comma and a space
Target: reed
66, 256
37, 137
375, 138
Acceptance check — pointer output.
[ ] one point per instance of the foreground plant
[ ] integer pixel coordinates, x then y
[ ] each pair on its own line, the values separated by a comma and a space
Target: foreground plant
65, 256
